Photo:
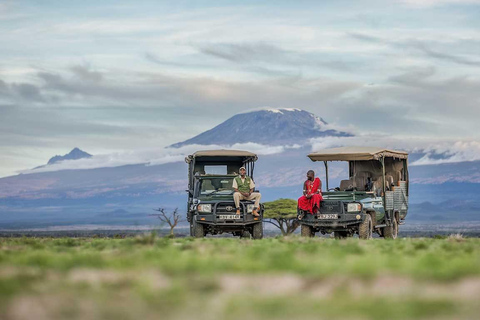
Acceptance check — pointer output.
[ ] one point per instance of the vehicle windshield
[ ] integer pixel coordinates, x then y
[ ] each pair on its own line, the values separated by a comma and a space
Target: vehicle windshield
220, 186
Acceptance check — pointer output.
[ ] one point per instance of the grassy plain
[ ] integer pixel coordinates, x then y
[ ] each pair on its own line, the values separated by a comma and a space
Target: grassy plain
222, 278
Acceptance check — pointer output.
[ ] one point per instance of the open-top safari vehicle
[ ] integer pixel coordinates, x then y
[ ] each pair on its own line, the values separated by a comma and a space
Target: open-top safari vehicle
211, 208
374, 198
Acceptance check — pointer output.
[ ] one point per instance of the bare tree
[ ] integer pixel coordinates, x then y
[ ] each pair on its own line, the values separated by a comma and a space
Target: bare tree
172, 219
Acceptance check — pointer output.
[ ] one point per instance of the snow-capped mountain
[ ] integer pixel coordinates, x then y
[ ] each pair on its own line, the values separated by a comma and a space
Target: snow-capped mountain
269, 127
75, 154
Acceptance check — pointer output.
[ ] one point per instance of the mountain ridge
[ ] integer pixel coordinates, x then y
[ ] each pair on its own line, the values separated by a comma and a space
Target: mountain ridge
75, 154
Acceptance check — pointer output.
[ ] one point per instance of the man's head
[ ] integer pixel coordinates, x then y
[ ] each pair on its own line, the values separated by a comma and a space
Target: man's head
310, 174
243, 171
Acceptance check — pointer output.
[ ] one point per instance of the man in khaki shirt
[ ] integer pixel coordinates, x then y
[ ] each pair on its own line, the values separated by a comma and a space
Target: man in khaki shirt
244, 186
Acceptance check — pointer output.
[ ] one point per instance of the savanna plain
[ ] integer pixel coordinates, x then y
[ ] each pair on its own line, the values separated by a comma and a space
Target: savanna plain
151, 277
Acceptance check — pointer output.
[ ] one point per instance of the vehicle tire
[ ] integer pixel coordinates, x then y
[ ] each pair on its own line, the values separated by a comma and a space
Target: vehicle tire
191, 228
257, 231
306, 231
245, 234
340, 234
198, 230
391, 232
365, 230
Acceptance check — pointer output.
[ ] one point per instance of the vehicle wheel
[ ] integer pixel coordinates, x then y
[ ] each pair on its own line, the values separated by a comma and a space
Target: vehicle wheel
391, 232
365, 230
306, 231
191, 228
340, 234
198, 230
245, 234
257, 231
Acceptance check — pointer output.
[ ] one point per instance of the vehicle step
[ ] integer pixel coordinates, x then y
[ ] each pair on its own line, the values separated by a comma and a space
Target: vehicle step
380, 225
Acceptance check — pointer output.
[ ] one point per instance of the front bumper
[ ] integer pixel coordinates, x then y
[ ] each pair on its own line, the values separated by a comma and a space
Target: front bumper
344, 220
219, 209
215, 220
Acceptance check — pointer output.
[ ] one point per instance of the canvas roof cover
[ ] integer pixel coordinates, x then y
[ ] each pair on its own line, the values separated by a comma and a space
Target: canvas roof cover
355, 154
221, 153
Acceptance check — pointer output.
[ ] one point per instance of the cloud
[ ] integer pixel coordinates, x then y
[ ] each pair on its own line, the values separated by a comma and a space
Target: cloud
433, 3
445, 56
459, 151
434, 150
256, 56
365, 37
244, 52
86, 73
154, 74
153, 156
426, 47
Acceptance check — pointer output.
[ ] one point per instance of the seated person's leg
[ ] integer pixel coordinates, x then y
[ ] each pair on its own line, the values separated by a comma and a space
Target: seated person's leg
256, 196
237, 196
317, 199
302, 204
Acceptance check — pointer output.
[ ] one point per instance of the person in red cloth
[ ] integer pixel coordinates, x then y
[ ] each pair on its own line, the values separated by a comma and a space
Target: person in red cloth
312, 195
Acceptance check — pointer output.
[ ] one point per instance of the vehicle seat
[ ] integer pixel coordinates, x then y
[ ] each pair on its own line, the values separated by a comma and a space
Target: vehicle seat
360, 183
378, 186
207, 185
346, 184
389, 181
361, 179
397, 176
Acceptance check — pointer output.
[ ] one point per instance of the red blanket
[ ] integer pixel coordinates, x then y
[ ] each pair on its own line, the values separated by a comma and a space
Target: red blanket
313, 189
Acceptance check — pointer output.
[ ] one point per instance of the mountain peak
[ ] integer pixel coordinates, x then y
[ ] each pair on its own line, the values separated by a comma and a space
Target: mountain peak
269, 126
75, 154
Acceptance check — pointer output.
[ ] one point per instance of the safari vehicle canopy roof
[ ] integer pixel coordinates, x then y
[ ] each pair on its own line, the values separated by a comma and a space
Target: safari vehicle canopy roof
356, 154
229, 155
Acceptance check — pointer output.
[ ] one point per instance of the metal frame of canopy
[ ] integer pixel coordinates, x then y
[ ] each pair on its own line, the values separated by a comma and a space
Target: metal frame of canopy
360, 154
222, 156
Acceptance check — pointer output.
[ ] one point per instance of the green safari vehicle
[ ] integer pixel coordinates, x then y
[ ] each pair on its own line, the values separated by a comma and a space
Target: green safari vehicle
211, 208
373, 199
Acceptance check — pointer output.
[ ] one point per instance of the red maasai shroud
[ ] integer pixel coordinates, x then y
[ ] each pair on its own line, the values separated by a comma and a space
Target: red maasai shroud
311, 205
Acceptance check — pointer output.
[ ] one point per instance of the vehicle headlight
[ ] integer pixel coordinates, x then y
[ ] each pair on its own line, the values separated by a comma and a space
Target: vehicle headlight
354, 207
249, 208
204, 207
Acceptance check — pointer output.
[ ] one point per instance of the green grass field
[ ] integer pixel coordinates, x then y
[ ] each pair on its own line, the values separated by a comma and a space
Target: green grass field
220, 278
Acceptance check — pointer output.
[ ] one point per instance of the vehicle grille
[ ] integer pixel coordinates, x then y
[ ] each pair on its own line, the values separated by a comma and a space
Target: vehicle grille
222, 208
330, 206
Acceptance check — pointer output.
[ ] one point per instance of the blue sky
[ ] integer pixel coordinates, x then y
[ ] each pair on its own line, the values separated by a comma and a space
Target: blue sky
121, 75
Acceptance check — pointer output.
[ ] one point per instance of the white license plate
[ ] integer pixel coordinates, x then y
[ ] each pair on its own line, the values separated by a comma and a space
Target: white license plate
229, 216
328, 216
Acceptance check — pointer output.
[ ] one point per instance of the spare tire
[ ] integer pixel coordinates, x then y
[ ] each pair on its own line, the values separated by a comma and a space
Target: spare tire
391, 232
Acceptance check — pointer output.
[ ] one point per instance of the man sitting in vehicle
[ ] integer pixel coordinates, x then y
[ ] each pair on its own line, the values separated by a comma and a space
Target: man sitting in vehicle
312, 195
244, 186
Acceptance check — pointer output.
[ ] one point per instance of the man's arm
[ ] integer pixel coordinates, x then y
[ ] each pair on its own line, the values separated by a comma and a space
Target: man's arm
305, 192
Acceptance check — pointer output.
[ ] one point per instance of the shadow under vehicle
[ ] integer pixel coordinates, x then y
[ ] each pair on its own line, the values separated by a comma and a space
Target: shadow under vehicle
373, 199
211, 209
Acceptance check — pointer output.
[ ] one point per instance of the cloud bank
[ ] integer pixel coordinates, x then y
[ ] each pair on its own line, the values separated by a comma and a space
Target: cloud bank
432, 151
153, 156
